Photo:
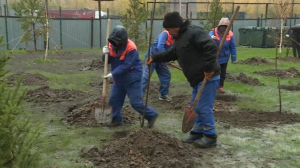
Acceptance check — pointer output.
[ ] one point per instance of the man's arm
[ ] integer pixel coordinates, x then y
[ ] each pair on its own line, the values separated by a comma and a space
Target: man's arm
208, 47
167, 56
232, 46
162, 38
130, 58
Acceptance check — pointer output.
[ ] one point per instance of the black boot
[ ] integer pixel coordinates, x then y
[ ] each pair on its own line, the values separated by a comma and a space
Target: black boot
206, 141
192, 137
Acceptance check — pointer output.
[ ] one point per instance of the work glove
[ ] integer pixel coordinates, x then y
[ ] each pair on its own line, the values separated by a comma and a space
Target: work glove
108, 76
287, 35
149, 60
105, 50
208, 75
213, 37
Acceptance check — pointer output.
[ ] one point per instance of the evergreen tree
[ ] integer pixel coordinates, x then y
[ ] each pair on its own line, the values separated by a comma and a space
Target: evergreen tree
18, 136
132, 19
215, 13
33, 20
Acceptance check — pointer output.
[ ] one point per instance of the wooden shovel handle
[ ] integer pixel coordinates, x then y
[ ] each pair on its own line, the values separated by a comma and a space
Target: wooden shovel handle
106, 61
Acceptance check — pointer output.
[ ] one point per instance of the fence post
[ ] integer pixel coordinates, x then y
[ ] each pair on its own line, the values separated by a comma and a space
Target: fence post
261, 19
257, 23
6, 29
60, 28
295, 19
92, 33
266, 14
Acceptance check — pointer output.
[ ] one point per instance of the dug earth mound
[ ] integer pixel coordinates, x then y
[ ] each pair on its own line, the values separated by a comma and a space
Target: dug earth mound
94, 65
255, 61
282, 73
243, 78
291, 87
143, 148
82, 114
255, 118
29, 79
45, 95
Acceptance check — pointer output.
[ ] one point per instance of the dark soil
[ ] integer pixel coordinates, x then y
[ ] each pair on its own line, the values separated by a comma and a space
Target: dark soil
177, 103
226, 97
143, 148
255, 61
82, 114
291, 87
94, 65
282, 73
291, 59
243, 78
29, 79
255, 119
45, 96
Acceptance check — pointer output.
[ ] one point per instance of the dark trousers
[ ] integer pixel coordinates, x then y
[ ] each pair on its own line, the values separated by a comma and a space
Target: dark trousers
296, 50
223, 73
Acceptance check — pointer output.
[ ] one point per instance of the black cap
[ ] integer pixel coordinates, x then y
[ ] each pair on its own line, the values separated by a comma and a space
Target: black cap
172, 20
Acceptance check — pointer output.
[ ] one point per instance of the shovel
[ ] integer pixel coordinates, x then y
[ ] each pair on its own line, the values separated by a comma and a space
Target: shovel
98, 109
189, 114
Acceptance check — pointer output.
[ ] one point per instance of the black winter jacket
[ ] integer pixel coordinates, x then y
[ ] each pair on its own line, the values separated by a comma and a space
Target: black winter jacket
196, 52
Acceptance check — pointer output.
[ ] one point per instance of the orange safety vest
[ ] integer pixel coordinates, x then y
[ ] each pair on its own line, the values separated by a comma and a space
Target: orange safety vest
130, 46
228, 38
170, 40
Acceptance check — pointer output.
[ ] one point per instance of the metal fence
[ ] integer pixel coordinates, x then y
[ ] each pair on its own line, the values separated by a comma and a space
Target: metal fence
83, 34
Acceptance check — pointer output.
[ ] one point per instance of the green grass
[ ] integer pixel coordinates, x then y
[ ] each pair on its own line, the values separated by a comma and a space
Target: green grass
70, 81
265, 147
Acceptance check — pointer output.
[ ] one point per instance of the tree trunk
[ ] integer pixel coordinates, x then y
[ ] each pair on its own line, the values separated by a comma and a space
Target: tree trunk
34, 36
281, 31
278, 81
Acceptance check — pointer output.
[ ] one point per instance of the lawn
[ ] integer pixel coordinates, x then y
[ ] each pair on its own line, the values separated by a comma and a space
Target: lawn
268, 146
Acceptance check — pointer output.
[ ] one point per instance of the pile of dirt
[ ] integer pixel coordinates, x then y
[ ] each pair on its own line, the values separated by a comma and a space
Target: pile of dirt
179, 102
143, 148
94, 65
82, 114
44, 95
291, 59
255, 61
243, 78
291, 87
255, 119
29, 79
282, 73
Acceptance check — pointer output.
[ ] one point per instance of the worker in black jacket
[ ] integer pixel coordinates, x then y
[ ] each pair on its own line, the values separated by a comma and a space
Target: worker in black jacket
197, 53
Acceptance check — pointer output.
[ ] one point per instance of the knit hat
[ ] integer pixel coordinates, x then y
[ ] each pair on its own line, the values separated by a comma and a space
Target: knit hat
172, 20
224, 22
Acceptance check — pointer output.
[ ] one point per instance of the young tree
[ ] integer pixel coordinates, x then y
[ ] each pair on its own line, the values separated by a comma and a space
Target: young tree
135, 15
215, 13
32, 18
18, 136
283, 11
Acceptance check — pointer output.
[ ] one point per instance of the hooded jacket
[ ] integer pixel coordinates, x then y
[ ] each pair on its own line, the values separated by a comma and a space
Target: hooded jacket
128, 69
195, 50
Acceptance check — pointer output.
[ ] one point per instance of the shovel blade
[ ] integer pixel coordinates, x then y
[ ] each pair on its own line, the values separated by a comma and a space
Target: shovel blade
101, 116
188, 120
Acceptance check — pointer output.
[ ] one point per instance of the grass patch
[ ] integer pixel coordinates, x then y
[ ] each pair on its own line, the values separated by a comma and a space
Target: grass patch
43, 61
69, 81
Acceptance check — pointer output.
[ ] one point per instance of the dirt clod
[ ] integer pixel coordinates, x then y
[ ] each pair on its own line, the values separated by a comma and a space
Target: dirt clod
291, 59
243, 78
255, 61
82, 114
143, 148
255, 118
94, 65
291, 87
44, 95
282, 73
29, 79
